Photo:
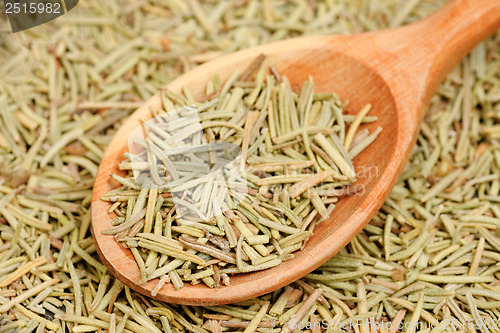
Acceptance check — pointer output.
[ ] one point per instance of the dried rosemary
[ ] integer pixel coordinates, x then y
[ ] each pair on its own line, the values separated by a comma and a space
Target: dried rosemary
231, 184
54, 78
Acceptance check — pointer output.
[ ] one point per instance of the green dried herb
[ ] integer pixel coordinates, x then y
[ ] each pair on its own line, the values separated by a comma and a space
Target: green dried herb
198, 156
53, 79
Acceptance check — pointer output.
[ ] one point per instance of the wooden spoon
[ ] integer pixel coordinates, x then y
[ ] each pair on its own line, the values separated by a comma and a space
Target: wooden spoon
396, 70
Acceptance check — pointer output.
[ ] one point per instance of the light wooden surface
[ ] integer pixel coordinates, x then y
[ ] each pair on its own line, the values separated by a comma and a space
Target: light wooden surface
397, 71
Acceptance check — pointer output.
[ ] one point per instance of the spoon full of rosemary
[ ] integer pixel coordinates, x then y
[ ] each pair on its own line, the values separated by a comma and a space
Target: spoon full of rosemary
397, 71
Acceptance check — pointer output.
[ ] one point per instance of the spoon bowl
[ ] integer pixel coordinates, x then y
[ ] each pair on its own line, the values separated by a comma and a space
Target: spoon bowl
396, 70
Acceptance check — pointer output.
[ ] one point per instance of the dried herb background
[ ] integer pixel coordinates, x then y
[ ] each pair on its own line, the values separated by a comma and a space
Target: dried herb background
429, 255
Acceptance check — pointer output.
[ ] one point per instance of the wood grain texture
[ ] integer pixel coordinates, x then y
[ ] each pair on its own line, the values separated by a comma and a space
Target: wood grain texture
396, 70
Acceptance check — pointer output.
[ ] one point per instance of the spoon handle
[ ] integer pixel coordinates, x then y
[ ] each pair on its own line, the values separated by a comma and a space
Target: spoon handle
414, 59
453, 31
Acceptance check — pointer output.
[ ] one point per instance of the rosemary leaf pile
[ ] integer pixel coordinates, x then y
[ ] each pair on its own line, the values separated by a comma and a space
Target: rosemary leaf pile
234, 184
430, 256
